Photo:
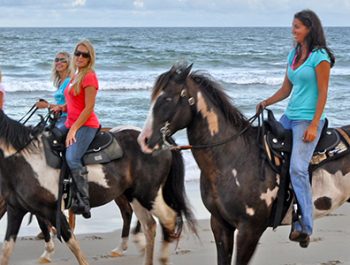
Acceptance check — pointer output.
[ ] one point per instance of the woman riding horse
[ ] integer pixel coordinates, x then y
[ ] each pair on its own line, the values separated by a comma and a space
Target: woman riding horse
154, 184
238, 192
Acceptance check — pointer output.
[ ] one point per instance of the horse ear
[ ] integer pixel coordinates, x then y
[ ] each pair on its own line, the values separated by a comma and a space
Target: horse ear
181, 75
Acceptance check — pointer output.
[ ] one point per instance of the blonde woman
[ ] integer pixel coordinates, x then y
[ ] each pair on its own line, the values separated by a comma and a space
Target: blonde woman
82, 123
2, 92
61, 75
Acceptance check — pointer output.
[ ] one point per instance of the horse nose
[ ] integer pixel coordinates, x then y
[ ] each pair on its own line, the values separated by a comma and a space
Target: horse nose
143, 141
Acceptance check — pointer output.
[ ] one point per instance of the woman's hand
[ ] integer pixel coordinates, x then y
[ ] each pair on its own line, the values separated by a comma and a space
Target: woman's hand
56, 108
42, 104
261, 106
71, 137
311, 133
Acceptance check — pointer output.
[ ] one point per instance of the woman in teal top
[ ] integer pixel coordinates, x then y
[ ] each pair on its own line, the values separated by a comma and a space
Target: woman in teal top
306, 80
61, 74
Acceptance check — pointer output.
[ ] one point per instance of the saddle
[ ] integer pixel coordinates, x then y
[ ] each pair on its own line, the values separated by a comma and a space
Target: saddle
333, 143
103, 149
277, 145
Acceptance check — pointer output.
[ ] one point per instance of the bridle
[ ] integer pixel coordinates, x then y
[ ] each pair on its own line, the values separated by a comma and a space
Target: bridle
166, 132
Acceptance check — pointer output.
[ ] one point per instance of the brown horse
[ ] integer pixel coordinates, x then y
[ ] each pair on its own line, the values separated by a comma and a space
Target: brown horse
225, 147
154, 184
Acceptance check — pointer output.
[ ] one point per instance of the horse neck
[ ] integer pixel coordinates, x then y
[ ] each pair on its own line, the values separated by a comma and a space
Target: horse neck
221, 137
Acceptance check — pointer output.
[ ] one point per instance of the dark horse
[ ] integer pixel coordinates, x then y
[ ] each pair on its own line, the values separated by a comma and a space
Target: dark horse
126, 212
232, 187
154, 184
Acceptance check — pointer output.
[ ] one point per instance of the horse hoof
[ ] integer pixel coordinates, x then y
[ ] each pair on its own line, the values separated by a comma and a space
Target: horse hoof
116, 254
44, 261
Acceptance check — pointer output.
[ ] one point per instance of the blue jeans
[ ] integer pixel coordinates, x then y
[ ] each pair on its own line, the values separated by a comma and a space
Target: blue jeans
76, 151
299, 170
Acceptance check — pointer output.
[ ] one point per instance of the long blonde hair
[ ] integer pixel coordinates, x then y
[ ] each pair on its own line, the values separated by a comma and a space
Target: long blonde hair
82, 72
55, 77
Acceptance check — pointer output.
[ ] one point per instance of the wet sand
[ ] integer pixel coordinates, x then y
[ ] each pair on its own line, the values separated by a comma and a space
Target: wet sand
329, 245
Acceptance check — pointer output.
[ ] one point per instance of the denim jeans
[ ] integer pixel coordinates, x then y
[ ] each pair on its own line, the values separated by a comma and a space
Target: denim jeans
299, 164
76, 151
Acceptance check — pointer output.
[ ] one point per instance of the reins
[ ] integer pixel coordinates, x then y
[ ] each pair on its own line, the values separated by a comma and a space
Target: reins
173, 146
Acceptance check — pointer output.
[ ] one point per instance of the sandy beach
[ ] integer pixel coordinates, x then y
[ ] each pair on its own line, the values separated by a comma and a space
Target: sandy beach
329, 245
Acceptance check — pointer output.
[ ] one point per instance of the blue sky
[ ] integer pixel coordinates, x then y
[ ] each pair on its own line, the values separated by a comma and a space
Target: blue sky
138, 13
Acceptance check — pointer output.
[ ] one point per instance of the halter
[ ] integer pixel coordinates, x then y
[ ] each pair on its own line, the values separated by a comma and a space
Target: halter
165, 131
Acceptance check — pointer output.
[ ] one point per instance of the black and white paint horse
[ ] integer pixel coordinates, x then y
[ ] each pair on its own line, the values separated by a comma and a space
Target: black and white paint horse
154, 184
126, 213
231, 185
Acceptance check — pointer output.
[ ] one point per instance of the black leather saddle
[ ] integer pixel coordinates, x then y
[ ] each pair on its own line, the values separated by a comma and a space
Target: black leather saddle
280, 139
103, 149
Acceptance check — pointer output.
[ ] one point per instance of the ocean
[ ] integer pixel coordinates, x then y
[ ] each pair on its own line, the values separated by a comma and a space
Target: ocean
250, 64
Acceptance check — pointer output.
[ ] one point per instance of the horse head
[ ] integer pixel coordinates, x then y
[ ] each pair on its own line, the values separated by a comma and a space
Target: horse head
171, 107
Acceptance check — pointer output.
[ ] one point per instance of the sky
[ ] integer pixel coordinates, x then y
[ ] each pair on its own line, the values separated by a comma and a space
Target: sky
167, 13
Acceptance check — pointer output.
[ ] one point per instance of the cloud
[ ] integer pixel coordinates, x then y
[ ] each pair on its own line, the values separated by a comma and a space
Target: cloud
138, 3
79, 3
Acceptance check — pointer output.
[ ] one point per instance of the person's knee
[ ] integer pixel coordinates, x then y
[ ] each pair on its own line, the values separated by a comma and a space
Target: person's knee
299, 170
73, 162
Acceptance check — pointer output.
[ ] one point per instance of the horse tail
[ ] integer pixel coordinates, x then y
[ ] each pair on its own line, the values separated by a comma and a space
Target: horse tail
175, 195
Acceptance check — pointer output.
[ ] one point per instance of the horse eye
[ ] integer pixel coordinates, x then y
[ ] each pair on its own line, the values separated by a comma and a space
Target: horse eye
168, 99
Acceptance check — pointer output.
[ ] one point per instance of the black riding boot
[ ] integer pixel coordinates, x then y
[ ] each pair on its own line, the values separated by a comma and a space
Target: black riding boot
81, 203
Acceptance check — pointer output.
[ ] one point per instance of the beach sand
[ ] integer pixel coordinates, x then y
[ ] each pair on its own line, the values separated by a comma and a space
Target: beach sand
329, 245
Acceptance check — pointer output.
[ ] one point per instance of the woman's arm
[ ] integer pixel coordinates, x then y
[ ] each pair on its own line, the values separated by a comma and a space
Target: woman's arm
90, 98
280, 94
322, 74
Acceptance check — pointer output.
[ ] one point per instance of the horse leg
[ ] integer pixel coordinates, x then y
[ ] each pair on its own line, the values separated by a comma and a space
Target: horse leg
71, 219
224, 237
49, 245
126, 212
247, 240
164, 252
139, 237
2, 207
14, 220
70, 239
149, 228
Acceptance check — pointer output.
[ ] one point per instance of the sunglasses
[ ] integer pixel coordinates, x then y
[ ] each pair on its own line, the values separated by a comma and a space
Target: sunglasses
62, 60
84, 54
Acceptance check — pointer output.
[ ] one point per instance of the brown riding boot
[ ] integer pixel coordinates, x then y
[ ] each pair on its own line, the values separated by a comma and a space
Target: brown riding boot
81, 203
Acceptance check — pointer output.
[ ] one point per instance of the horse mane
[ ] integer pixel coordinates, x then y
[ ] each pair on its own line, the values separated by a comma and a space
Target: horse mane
160, 83
211, 88
13, 133
215, 93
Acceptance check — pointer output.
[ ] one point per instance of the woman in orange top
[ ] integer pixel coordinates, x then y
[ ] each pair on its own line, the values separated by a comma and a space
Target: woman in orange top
82, 122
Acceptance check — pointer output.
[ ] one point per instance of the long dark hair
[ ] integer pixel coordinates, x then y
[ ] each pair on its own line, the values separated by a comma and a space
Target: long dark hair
316, 38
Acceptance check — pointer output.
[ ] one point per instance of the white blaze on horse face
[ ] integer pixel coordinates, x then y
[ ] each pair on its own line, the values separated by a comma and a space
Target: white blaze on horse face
97, 176
210, 116
146, 132
250, 211
234, 173
166, 215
